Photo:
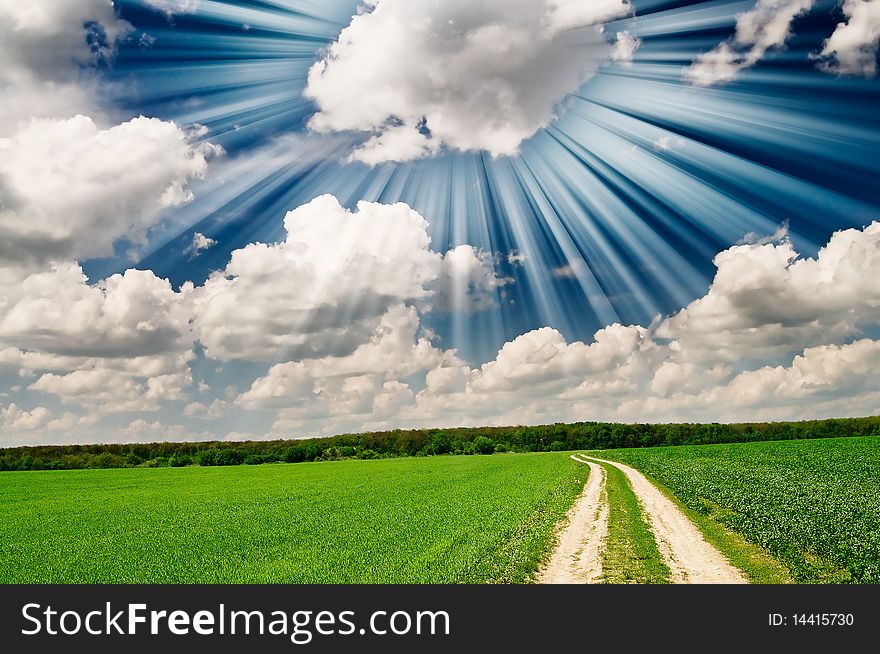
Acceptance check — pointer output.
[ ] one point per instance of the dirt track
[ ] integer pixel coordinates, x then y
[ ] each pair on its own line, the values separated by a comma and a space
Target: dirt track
577, 558
578, 555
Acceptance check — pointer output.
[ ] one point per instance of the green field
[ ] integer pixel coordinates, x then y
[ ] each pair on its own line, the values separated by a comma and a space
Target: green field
411, 520
814, 504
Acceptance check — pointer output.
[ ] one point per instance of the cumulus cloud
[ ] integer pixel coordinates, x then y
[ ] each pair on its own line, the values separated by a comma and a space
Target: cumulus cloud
339, 298
337, 309
14, 419
766, 302
128, 315
103, 390
325, 288
120, 345
765, 27
56, 178
71, 186
46, 49
71, 180
852, 48
218, 408
394, 351
421, 75
776, 336
360, 388
44, 37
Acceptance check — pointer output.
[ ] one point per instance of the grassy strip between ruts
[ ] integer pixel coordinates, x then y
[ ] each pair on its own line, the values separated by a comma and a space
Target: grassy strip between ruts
756, 563
631, 555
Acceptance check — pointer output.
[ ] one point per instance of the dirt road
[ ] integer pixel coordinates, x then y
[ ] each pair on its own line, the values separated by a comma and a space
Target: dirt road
578, 555
577, 558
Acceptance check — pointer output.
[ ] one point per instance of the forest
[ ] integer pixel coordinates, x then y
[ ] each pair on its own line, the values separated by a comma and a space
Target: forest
424, 442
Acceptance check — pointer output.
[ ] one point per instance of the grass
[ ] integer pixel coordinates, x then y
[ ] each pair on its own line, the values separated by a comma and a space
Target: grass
417, 520
812, 505
631, 555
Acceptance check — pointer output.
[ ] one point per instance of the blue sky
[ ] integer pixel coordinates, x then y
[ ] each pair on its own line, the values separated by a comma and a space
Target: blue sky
613, 211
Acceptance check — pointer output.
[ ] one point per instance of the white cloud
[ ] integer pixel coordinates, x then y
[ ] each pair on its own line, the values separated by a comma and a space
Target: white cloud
72, 182
120, 345
14, 419
172, 7
340, 295
336, 307
66, 197
420, 75
46, 48
98, 389
104, 390
765, 302
200, 242
667, 143
765, 27
45, 37
467, 281
776, 337
128, 315
217, 409
625, 47
67, 422
324, 289
852, 48
363, 390
393, 352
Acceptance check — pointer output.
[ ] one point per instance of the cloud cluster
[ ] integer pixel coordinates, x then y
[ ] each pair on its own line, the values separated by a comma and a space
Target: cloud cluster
63, 196
765, 27
339, 298
73, 183
120, 345
330, 319
47, 48
852, 48
326, 288
776, 336
421, 75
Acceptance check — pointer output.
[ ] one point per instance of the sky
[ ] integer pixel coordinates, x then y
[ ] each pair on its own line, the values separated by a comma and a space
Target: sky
288, 218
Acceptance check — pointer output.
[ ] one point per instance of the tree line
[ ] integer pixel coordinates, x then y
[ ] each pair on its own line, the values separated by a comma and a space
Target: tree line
423, 442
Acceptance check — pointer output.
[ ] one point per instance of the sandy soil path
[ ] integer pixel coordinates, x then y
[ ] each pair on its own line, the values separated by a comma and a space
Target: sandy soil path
690, 558
577, 558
